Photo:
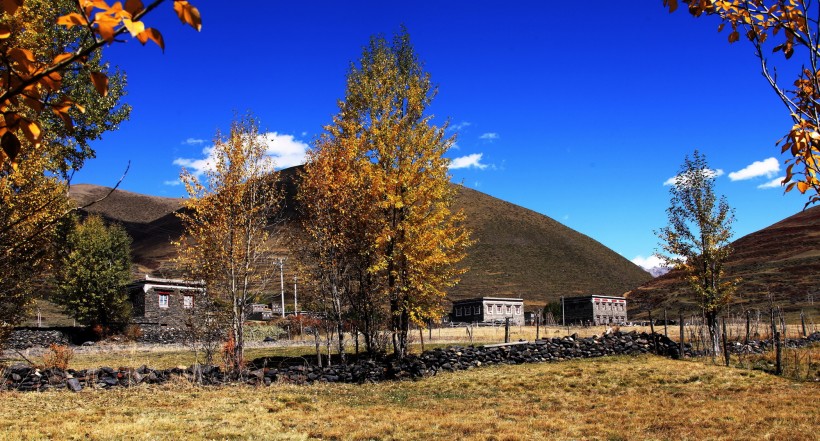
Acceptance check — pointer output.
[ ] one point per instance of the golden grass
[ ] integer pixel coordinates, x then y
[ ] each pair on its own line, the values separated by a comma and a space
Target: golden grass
607, 399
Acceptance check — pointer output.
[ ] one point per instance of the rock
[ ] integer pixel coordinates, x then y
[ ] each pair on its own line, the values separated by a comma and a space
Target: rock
74, 385
88, 343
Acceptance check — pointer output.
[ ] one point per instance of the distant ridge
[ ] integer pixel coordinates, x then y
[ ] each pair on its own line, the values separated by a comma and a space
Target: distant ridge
519, 252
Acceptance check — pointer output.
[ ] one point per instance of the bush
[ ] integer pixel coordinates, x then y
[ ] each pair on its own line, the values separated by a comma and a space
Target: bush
57, 356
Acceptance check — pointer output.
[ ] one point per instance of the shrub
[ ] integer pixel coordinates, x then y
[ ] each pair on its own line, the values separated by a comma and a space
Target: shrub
57, 356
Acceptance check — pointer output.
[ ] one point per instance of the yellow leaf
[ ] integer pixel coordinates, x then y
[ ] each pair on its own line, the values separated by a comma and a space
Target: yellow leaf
134, 27
5, 31
188, 14
31, 130
62, 57
100, 81
153, 35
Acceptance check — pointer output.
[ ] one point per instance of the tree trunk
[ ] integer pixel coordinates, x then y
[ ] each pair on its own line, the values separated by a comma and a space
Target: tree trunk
714, 333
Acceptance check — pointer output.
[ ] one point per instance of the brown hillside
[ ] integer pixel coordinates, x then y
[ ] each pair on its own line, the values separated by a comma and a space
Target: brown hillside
519, 252
782, 259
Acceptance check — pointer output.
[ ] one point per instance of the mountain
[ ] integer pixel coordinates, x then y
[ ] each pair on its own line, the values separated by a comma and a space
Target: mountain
778, 263
518, 252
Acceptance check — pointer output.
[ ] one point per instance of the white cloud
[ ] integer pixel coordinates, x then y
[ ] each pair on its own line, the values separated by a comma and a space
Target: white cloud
473, 160
173, 183
712, 173
193, 141
285, 150
648, 263
489, 136
767, 167
774, 183
458, 127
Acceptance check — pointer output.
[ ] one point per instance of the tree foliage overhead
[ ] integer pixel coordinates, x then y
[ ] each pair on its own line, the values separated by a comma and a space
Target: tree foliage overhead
787, 27
227, 218
697, 238
31, 81
396, 187
94, 270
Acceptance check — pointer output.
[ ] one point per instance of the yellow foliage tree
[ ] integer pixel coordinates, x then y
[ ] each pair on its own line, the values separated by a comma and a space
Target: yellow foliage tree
227, 218
788, 27
410, 237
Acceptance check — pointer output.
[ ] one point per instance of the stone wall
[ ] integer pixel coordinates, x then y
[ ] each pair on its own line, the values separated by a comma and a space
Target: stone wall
27, 378
24, 338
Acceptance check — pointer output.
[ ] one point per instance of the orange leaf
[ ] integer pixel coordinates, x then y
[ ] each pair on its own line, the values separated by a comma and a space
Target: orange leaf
5, 31
10, 6
100, 81
31, 130
11, 145
73, 19
734, 36
153, 35
133, 6
62, 57
802, 187
673, 5
188, 14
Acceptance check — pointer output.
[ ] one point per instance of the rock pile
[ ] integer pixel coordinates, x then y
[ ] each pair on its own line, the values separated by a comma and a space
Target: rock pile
27, 378
24, 338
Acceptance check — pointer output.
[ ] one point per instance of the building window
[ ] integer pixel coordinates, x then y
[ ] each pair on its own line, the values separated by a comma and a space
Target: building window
458, 312
517, 310
188, 301
163, 300
509, 309
477, 310
489, 309
498, 309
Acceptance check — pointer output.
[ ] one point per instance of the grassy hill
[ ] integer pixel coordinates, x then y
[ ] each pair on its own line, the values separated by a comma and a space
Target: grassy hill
780, 262
518, 253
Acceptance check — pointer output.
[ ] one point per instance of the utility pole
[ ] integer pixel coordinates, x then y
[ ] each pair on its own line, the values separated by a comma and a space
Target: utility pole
282, 282
563, 316
295, 307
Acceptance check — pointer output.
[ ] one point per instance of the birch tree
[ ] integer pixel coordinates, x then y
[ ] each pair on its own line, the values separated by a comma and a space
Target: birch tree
228, 218
697, 239
411, 239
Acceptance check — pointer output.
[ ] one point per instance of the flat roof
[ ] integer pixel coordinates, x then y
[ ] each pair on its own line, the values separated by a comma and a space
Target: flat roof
595, 296
495, 299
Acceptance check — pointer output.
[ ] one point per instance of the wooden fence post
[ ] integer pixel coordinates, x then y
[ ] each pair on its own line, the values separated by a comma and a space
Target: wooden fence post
665, 334
537, 326
682, 336
507, 330
725, 343
748, 326
779, 354
803, 323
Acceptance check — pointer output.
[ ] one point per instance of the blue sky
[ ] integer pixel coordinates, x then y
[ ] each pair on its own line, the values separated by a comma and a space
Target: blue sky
577, 110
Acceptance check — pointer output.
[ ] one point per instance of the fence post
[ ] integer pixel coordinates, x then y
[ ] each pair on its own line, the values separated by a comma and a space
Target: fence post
748, 326
665, 334
682, 336
537, 326
803, 323
779, 354
507, 330
725, 343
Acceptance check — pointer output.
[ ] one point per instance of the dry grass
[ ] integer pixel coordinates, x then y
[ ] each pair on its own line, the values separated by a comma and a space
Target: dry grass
613, 398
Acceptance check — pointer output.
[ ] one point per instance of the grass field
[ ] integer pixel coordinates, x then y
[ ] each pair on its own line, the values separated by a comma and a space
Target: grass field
614, 398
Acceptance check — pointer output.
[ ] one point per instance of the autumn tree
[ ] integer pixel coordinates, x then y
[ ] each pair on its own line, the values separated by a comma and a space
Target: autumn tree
787, 27
411, 239
697, 238
93, 272
227, 218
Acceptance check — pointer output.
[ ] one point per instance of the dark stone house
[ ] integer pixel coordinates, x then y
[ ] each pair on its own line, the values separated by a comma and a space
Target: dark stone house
595, 310
163, 302
488, 310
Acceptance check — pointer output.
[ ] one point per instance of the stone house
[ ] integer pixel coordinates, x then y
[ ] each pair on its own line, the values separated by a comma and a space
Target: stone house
595, 310
488, 310
161, 303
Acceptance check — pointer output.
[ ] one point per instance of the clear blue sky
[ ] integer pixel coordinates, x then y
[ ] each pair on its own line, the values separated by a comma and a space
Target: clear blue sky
578, 110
